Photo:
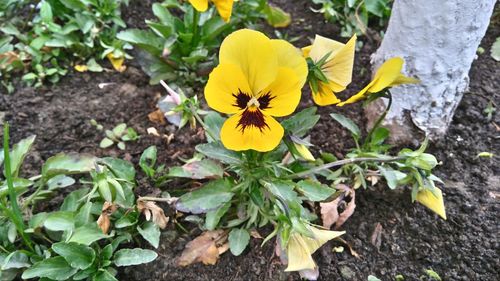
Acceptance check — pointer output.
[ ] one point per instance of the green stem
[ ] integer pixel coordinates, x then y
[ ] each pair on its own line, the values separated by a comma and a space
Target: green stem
379, 120
15, 215
344, 162
200, 120
196, 18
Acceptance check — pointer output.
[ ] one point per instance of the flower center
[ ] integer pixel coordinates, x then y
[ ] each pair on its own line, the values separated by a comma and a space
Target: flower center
252, 115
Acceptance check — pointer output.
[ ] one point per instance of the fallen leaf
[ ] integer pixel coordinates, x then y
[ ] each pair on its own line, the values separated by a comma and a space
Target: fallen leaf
157, 117
351, 249
330, 210
11, 57
116, 62
151, 211
152, 131
255, 234
376, 237
103, 221
204, 248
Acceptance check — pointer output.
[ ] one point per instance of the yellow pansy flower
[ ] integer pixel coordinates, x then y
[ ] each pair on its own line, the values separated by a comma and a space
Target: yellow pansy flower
257, 78
388, 75
300, 247
338, 60
224, 7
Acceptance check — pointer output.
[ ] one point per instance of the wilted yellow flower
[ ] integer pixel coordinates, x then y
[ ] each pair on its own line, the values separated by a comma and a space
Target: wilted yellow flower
224, 7
300, 247
257, 78
336, 61
432, 200
388, 75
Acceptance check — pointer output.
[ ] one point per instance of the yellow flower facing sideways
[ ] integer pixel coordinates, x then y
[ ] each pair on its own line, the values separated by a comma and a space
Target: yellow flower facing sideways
300, 247
257, 78
388, 75
337, 67
224, 7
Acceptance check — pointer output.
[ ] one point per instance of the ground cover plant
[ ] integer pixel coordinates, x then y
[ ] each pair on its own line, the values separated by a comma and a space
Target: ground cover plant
276, 165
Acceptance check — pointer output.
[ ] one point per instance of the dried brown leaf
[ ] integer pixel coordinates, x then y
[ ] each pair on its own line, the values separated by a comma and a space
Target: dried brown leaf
103, 221
204, 248
151, 211
330, 210
255, 234
376, 237
157, 117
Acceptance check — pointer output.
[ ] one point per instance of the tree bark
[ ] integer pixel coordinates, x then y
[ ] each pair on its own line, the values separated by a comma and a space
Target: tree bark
438, 40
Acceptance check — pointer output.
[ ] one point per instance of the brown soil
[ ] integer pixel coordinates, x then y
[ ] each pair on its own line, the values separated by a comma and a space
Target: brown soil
465, 247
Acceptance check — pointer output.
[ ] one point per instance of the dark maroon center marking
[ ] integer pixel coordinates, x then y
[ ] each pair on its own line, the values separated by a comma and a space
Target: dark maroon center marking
252, 116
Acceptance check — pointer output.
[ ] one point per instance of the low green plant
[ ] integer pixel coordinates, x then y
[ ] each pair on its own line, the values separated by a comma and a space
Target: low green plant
119, 135
83, 238
354, 16
58, 34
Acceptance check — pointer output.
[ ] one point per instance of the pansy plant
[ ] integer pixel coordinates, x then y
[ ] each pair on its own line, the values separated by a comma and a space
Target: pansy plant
256, 168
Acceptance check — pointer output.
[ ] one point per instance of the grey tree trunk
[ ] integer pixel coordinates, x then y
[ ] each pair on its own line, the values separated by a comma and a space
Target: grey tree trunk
438, 40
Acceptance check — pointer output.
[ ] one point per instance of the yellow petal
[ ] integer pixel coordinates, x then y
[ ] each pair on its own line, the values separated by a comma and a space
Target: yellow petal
339, 68
283, 94
360, 95
225, 81
291, 57
116, 62
224, 7
322, 46
388, 72
300, 247
404, 80
432, 200
254, 53
325, 95
304, 152
81, 68
299, 256
199, 5
261, 139
306, 51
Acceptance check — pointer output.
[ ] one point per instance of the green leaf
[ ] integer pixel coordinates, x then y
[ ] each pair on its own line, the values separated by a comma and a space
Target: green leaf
121, 169
376, 7
73, 201
151, 233
77, 255
127, 220
238, 240
348, 124
314, 190
59, 221
299, 124
211, 196
214, 121
15, 260
213, 217
198, 170
276, 17
282, 189
87, 234
104, 275
495, 50
53, 268
162, 13
373, 278
70, 163
18, 153
46, 11
60, 181
217, 151
424, 161
105, 143
127, 257
391, 176
148, 160
146, 40
119, 129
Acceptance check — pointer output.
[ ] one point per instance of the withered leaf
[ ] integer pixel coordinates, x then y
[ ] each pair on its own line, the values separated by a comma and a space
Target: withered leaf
330, 210
157, 117
376, 238
205, 248
151, 211
103, 221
